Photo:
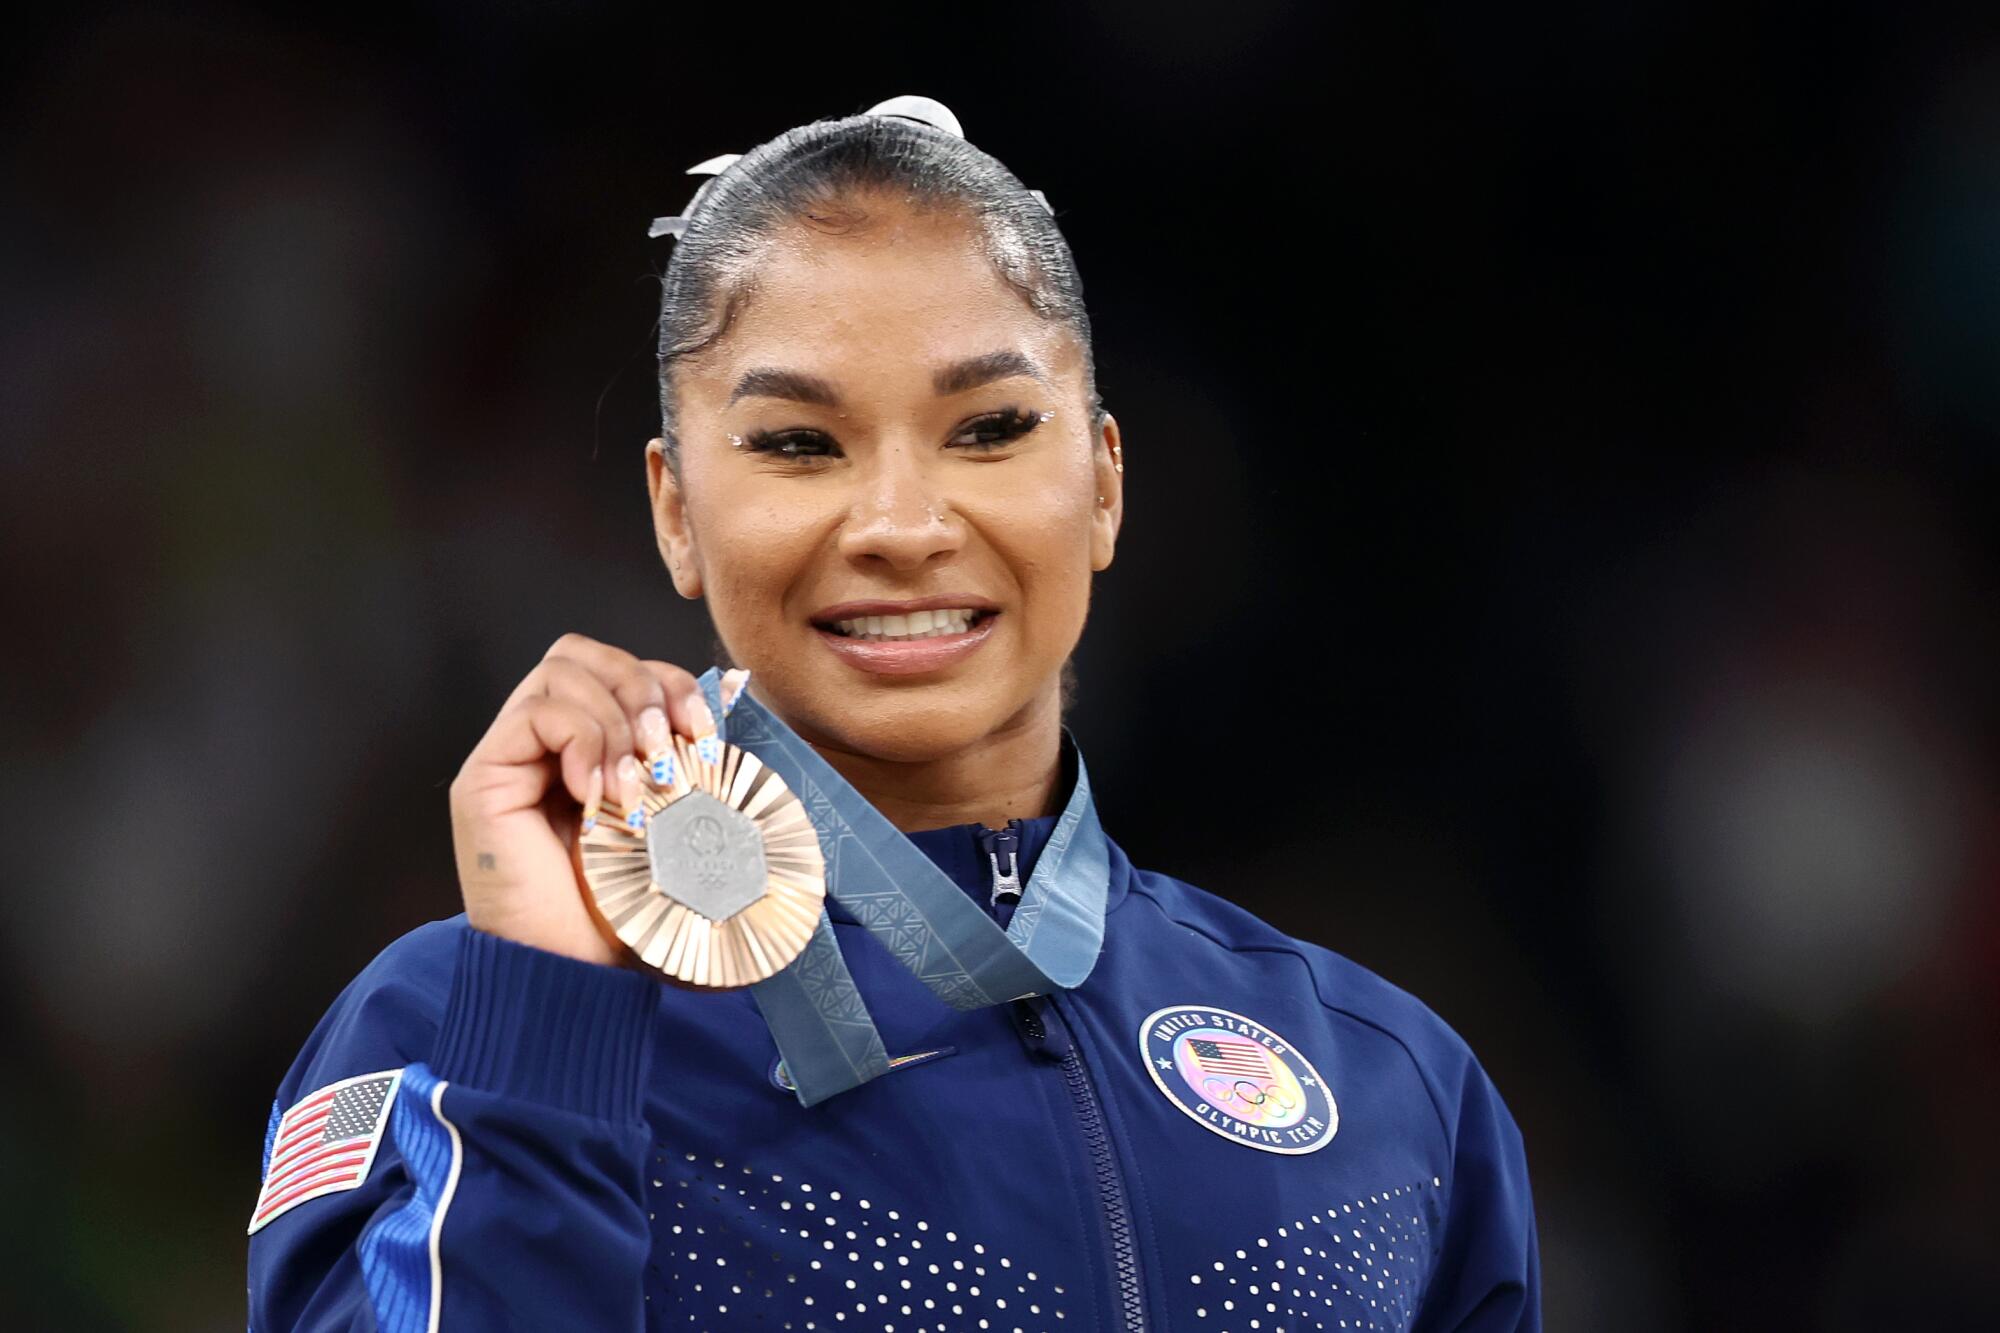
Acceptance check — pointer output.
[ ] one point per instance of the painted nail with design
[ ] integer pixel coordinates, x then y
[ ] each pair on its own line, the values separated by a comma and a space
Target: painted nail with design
706, 747
654, 737
731, 688
634, 799
653, 729
593, 797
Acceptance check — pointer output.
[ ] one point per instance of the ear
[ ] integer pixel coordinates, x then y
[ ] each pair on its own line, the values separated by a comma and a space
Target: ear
670, 521
1107, 471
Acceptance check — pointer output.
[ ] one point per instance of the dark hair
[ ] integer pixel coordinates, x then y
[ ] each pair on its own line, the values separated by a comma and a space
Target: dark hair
819, 174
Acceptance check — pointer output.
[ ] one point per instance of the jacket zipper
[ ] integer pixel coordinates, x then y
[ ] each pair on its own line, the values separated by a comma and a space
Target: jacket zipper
999, 843
1002, 848
1104, 1166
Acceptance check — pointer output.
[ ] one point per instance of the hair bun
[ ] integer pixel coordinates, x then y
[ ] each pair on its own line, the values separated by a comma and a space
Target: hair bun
909, 106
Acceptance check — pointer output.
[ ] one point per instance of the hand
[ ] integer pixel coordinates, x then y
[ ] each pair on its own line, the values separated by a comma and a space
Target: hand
566, 740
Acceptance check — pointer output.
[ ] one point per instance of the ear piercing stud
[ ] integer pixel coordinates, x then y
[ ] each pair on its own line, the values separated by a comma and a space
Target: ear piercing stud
1118, 457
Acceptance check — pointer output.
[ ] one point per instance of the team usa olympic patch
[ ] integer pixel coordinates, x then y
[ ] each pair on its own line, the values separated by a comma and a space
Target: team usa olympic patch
325, 1143
1238, 1078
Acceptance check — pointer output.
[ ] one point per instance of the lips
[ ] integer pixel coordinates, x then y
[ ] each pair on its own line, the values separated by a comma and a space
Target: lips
915, 625
906, 638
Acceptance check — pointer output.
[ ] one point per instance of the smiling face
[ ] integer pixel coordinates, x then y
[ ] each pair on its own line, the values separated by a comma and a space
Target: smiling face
888, 435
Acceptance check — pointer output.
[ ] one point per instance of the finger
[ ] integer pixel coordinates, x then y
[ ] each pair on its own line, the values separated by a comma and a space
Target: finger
566, 678
687, 711
542, 726
677, 685
569, 645
637, 685
581, 759
606, 659
644, 697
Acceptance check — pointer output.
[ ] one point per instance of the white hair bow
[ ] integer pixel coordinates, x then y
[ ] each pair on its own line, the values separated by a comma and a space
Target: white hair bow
926, 110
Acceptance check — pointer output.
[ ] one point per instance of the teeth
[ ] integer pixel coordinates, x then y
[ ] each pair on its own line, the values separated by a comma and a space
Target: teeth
916, 625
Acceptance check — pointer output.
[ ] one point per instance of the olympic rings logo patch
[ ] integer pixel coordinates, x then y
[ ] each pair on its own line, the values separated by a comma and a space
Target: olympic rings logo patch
1238, 1078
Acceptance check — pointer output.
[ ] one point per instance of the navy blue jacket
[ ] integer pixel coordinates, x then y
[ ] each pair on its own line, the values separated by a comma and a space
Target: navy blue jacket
563, 1145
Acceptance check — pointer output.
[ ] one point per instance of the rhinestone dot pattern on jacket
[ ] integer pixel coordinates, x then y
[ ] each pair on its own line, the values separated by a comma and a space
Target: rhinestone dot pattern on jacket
728, 1246
1357, 1264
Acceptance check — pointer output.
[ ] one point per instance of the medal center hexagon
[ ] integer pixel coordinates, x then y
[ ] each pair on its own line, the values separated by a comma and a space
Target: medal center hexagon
707, 855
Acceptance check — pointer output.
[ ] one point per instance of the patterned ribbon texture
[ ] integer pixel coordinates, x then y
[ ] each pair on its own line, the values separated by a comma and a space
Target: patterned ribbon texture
823, 1030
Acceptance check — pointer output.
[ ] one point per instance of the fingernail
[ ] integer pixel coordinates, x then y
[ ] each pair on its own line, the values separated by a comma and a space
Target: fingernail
699, 717
628, 782
653, 730
710, 749
593, 797
663, 768
733, 681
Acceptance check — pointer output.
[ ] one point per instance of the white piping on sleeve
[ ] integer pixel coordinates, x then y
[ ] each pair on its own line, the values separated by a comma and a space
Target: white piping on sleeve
444, 1204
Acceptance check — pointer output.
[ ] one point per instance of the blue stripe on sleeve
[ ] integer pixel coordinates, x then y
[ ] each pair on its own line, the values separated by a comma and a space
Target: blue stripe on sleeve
395, 1249
270, 1139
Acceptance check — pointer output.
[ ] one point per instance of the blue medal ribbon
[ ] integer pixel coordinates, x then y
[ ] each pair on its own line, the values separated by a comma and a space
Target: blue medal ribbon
824, 1033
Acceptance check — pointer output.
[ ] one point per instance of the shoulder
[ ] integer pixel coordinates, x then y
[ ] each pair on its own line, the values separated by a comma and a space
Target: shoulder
1339, 985
412, 972
387, 1016
1488, 1273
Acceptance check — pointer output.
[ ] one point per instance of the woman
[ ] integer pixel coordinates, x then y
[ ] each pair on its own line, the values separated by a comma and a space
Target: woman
885, 469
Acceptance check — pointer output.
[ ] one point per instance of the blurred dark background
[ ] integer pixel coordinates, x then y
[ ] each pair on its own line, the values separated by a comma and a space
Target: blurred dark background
1570, 433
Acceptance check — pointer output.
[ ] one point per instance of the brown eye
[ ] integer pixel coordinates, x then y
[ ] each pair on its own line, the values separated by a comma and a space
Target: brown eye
790, 444
998, 428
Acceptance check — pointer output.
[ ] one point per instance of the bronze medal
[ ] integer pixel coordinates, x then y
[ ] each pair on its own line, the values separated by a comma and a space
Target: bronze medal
717, 880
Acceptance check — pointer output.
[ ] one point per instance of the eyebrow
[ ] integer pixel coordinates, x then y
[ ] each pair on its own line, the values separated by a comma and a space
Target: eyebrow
973, 371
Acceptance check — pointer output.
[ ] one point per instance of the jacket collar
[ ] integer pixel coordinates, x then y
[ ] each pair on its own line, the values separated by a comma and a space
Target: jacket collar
956, 850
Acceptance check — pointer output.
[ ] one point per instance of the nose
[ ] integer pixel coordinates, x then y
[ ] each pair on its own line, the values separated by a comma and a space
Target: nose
899, 518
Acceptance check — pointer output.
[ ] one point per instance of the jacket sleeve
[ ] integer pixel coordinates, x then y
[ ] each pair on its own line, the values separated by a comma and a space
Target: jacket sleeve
1488, 1273
505, 1187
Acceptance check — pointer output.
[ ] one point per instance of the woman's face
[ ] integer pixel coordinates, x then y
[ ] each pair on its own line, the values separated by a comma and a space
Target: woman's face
889, 490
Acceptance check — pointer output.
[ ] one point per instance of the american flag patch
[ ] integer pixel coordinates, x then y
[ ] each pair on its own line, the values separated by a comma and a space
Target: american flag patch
325, 1143
1227, 1056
